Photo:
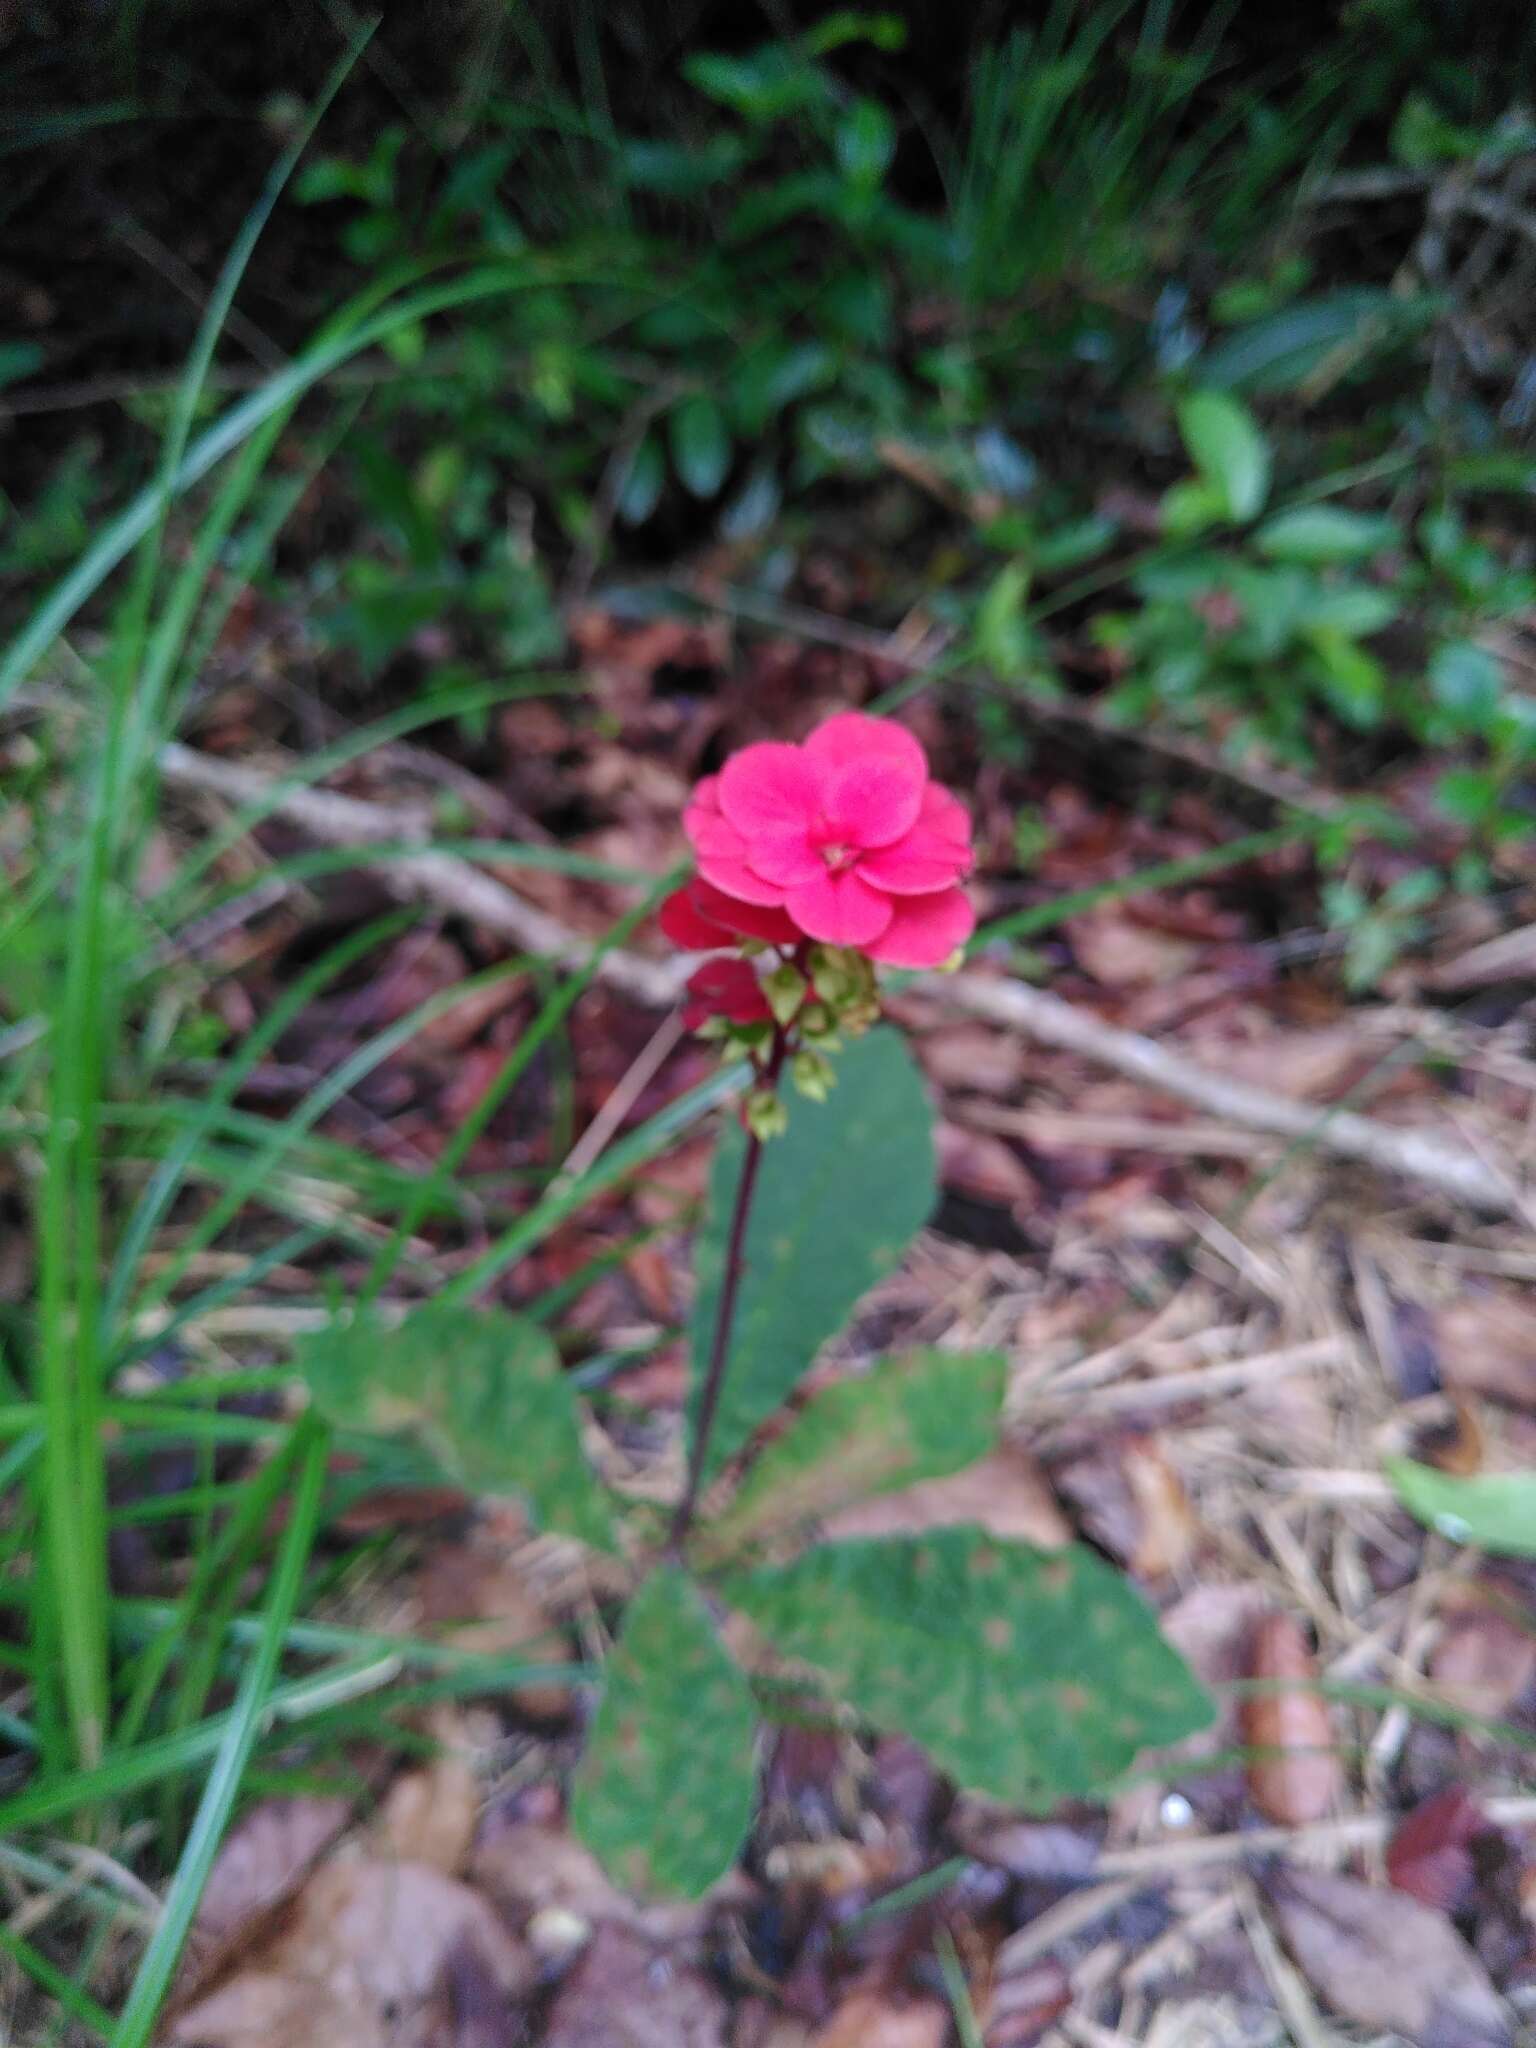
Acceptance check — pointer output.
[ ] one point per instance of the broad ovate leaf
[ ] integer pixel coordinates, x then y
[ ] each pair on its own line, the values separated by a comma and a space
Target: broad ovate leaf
665, 1790
1029, 1675
481, 1392
919, 1416
839, 1197
1228, 448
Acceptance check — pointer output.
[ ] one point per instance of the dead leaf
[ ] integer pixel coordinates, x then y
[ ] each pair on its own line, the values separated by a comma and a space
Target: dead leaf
361, 1957
972, 1059
1024, 2005
429, 1816
1130, 1499
1119, 951
876, 2019
624, 1992
473, 1596
1484, 1663
531, 1870
983, 1168
264, 1861
1006, 1493
1487, 1345
1381, 1959
1297, 1778
1430, 1854
1310, 1066
1057, 1849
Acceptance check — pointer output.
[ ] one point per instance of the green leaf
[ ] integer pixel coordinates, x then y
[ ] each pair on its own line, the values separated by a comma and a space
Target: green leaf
1467, 681
910, 1418
1030, 1675
701, 445
1282, 351
481, 1391
18, 359
1003, 637
664, 1793
1353, 681
643, 485
1227, 447
866, 143
1356, 610
839, 1197
1318, 535
1494, 1510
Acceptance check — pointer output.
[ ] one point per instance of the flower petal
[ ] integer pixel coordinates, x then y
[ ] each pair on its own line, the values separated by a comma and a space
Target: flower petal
946, 814
871, 802
854, 736
925, 930
729, 988
770, 787
742, 920
730, 874
785, 855
916, 865
838, 909
687, 926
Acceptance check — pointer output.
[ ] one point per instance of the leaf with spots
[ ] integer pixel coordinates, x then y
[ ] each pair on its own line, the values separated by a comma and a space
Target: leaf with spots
664, 1792
1029, 1675
920, 1416
481, 1392
839, 1197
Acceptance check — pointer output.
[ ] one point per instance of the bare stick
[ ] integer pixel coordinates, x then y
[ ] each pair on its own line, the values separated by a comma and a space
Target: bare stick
1448, 1168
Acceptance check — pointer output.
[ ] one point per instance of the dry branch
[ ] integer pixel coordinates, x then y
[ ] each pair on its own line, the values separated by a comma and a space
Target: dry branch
455, 885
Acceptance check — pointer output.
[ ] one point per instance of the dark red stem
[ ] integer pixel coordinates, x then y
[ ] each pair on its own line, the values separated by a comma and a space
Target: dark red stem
725, 1315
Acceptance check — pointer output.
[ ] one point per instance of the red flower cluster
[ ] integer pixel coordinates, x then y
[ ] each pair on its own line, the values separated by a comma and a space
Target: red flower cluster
843, 840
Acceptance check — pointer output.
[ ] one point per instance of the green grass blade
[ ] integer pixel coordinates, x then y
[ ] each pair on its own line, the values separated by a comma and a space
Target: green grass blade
161, 1191
320, 1098
552, 1013
217, 1572
641, 1146
137, 2022
168, 901
79, 2004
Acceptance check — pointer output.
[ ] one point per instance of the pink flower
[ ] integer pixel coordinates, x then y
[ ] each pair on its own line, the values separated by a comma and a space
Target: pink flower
725, 988
845, 838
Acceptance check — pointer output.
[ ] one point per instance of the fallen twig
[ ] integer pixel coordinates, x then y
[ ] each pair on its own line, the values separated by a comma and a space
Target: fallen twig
455, 885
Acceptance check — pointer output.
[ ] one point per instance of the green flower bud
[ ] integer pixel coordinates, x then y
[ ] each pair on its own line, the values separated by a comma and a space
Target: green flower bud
766, 1117
812, 1075
785, 989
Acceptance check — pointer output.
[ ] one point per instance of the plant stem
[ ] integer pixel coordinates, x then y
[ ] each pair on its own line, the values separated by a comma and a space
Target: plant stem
725, 1315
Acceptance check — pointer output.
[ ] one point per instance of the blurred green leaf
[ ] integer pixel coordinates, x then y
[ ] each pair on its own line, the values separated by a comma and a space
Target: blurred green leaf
701, 445
1228, 448
1354, 682
1281, 352
1030, 1675
763, 85
481, 1391
839, 1197
1004, 640
848, 25
1493, 1510
1322, 535
1467, 682
908, 1418
865, 142
664, 1792
644, 484
18, 359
